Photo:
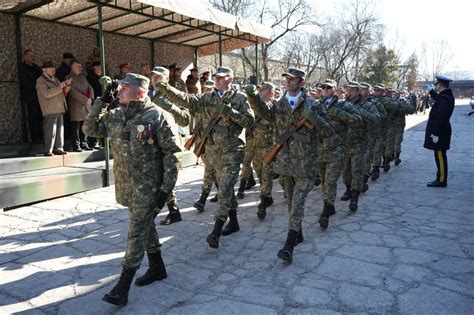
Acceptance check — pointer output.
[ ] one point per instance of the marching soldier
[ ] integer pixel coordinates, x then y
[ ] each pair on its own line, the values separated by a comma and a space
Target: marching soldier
406, 107
381, 132
297, 121
225, 114
145, 167
333, 149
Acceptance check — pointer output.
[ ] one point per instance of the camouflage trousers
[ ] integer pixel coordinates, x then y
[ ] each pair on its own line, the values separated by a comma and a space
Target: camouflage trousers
255, 155
296, 189
329, 173
369, 154
390, 141
397, 147
379, 148
354, 167
142, 236
209, 175
227, 168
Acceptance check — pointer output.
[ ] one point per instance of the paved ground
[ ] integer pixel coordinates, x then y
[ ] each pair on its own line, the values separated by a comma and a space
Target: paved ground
409, 249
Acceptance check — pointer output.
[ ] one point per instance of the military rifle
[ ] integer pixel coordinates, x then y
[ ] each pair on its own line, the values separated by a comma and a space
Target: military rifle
190, 142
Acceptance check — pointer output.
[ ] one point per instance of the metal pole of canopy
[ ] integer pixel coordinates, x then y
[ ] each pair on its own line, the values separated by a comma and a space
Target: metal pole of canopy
102, 62
256, 64
220, 50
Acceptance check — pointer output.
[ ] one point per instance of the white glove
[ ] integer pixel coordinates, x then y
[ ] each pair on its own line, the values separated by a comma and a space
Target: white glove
434, 138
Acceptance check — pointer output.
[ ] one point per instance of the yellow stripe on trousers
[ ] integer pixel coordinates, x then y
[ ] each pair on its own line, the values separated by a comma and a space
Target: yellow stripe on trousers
441, 166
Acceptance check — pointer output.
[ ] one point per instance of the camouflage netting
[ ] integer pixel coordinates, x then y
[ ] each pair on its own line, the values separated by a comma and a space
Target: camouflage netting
50, 40
10, 119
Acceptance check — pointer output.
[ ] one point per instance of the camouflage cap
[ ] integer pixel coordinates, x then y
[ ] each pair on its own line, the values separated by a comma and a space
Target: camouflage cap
268, 85
224, 72
136, 79
379, 86
353, 84
161, 71
365, 85
209, 84
329, 82
294, 73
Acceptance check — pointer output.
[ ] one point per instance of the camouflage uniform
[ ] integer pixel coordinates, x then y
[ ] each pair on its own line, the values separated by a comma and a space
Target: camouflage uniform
354, 166
296, 163
404, 108
375, 138
380, 141
226, 150
333, 149
259, 142
393, 107
143, 165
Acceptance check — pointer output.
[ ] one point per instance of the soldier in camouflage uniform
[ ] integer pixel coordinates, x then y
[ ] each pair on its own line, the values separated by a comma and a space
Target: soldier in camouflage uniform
296, 161
379, 100
176, 114
145, 167
372, 132
260, 142
354, 165
406, 107
225, 113
333, 149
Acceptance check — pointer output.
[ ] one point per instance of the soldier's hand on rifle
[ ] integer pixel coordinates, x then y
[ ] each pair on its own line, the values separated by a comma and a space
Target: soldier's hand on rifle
164, 103
333, 113
225, 110
161, 197
163, 86
310, 115
251, 90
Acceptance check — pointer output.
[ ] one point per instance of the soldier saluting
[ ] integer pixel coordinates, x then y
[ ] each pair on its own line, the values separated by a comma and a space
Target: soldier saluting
145, 167
225, 113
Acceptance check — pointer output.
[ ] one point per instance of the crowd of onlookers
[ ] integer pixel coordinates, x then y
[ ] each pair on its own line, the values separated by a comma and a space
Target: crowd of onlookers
58, 98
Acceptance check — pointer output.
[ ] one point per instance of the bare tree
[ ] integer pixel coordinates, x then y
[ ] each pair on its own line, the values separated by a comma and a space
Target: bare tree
435, 57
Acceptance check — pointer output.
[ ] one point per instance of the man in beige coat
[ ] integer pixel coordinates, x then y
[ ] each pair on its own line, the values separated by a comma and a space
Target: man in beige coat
79, 100
53, 105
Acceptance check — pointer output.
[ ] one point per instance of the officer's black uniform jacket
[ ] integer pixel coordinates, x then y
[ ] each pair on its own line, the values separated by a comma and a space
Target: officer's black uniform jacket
438, 121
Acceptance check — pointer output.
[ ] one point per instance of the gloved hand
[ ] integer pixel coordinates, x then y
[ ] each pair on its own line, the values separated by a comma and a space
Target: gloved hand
110, 89
310, 114
251, 90
164, 103
434, 138
161, 197
225, 109
333, 111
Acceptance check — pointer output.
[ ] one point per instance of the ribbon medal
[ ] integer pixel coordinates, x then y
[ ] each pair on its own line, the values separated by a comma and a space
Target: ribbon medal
150, 135
140, 129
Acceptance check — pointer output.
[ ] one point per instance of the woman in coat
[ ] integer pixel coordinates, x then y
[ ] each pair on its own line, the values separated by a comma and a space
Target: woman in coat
79, 101
438, 128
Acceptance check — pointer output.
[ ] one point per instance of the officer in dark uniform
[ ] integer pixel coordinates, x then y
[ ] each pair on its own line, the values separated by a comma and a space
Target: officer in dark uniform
438, 128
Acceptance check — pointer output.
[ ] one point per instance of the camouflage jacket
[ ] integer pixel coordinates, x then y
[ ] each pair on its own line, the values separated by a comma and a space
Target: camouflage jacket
390, 106
145, 149
261, 133
227, 136
298, 157
378, 102
369, 113
356, 134
179, 114
404, 108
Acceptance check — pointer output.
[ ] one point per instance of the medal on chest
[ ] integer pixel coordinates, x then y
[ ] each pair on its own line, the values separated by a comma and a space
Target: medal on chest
150, 135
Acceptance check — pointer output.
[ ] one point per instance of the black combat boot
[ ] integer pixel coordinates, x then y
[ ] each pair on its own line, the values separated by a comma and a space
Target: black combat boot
240, 192
173, 216
347, 193
354, 200
365, 186
199, 205
233, 225
397, 159
317, 181
213, 199
213, 238
262, 206
286, 253
250, 182
386, 164
299, 237
156, 270
119, 294
375, 173
328, 210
